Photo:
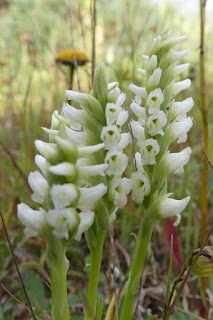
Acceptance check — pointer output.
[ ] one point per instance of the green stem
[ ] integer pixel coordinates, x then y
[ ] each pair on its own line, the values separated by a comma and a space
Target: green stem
146, 228
96, 257
57, 264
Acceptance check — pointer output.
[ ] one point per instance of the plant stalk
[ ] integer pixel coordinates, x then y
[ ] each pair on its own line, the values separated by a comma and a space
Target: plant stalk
204, 188
96, 257
57, 264
146, 228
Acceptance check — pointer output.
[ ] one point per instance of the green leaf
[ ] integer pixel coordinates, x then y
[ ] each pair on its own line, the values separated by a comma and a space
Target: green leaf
35, 288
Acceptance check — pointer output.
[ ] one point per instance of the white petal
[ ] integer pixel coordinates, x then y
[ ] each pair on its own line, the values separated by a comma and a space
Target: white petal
154, 79
47, 150
42, 163
122, 118
171, 207
90, 171
178, 129
112, 85
142, 71
112, 112
138, 162
90, 149
125, 140
63, 194
62, 221
154, 100
31, 218
111, 136
86, 220
152, 64
145, 57
117, 163
149, 149
179, 109
50, 131
137, 130
156, 122
182, 85
64, 169
121, 99
181, 68
138, 91
119, 190
77, 137
39, 186
74, 114
88, 196
141, 186
139, 111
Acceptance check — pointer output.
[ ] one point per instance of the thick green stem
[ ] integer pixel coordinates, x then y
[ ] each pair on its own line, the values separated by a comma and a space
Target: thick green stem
57, 264
96, 257
143, 239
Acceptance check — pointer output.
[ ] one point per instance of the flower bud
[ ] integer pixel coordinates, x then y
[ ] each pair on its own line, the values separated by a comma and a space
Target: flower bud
204, 265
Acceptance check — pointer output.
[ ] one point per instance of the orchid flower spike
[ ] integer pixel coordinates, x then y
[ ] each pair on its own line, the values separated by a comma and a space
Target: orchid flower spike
161, 120
82, 162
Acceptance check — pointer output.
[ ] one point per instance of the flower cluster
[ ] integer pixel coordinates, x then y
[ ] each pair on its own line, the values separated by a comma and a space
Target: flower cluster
85, 149
161, 121
114, 142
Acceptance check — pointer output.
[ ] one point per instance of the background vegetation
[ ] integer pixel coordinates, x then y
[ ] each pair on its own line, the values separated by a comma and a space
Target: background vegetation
32, 87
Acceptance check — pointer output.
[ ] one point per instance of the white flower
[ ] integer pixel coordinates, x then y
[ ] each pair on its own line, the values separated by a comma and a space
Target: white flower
137, 131
39, 186
176, 161
111, 136
62, 221
90, 171
154, 100
119, 190
112, 112
181, 68
170, 207
141, 186
77, 137
122, 118
156, 122
73, 114
139, 111
138, 162
86, 220
180, 86
149, 149
178, 110
47, 150
82, 151
125, 140
88, 196
34, 220
138, 91
117, 163
64, 169
63, 195
178, 130
42, 163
